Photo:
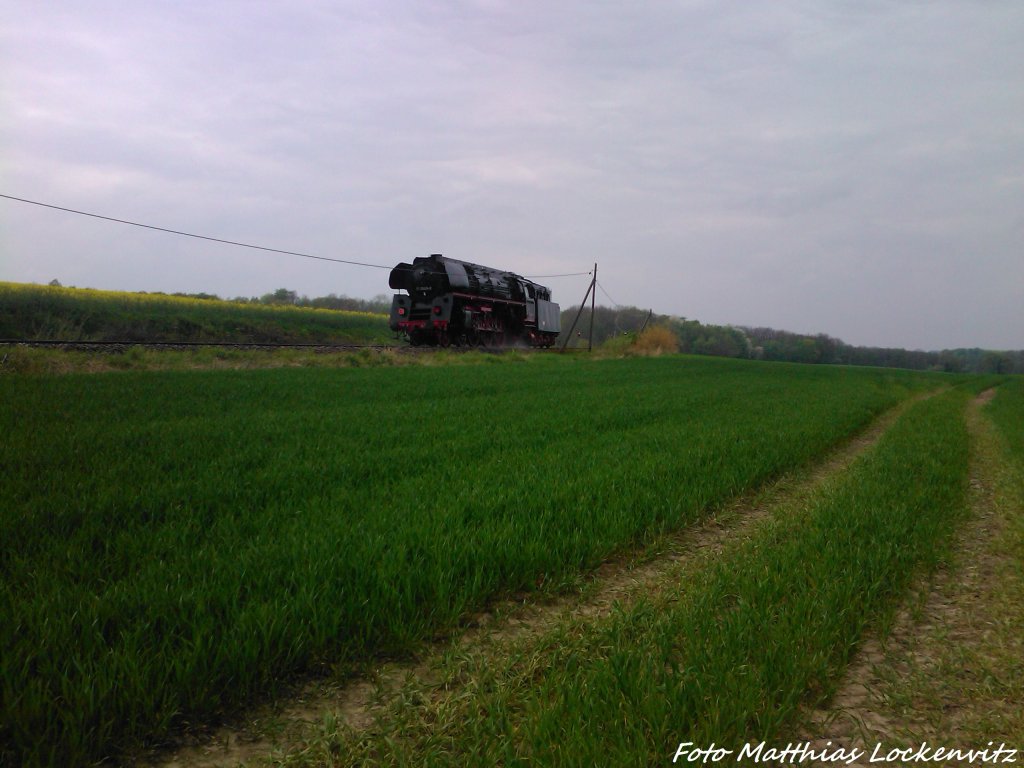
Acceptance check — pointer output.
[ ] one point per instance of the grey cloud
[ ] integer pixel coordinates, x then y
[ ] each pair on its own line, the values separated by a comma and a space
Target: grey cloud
849, 168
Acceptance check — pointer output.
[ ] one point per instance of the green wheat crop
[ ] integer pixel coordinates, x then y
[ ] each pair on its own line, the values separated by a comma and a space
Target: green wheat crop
727, 655
175, 544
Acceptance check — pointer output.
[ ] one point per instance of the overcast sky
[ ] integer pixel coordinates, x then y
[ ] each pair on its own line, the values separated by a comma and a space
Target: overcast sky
851, 168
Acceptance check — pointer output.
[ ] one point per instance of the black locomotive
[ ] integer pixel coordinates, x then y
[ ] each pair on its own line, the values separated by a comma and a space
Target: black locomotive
455, 302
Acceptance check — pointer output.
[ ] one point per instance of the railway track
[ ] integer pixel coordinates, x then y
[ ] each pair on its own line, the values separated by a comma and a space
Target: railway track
121, 346
115, 345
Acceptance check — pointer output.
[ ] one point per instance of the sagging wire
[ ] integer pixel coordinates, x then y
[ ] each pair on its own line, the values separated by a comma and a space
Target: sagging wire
613, 301
567, 274
198, 237
232, 242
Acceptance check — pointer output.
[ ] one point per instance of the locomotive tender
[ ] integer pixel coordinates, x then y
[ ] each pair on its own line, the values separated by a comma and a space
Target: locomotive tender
455, 302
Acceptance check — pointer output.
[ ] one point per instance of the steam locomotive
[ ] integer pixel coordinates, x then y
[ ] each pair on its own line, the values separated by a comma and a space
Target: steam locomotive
450, 302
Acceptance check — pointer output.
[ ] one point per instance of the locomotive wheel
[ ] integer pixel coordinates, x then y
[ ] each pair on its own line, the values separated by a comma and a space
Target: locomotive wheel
442, 339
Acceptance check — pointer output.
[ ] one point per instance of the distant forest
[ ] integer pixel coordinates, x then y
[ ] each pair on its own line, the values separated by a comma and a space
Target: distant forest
380, 304
770, 344
702, 339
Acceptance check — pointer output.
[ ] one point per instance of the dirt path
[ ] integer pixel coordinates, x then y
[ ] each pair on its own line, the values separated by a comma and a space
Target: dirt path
619, 581
949, 672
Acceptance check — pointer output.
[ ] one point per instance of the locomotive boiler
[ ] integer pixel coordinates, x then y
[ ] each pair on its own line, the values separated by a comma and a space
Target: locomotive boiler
450, 302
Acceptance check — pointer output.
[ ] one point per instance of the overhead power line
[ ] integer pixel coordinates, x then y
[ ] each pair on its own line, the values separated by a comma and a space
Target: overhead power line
567, 274
613, 301
197, 237
228, 242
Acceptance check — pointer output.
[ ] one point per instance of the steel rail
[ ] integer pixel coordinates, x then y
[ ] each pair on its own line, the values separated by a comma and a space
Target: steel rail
152, 343
122, 344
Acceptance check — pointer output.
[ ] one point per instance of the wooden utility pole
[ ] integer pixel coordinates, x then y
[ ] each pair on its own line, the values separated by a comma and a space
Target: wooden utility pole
646, 320
593, 298
590, 294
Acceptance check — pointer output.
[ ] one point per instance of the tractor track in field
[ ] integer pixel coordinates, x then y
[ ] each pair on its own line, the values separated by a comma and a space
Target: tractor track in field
619, 581
935, 676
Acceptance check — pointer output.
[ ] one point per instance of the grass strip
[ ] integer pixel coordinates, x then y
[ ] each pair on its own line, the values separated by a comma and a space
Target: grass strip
723, 656
29, 361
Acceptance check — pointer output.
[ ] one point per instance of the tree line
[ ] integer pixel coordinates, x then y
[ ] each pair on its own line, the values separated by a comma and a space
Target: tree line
771, 344
379, 304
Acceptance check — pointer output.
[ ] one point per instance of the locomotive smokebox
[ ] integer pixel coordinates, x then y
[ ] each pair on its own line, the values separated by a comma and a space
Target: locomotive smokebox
424, 278
401, 278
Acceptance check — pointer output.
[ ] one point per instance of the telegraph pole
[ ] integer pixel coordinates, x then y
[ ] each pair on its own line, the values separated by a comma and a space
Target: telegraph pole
592, 295
646, 321
593, 298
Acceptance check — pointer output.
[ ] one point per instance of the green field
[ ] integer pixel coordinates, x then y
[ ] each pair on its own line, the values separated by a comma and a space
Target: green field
725, 653
42, 312
1008, 413
180, 544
